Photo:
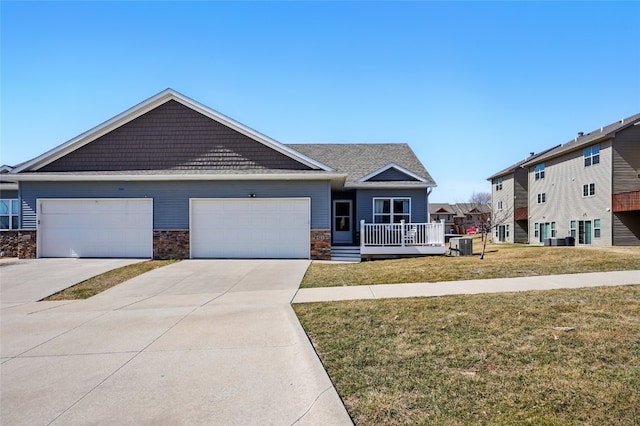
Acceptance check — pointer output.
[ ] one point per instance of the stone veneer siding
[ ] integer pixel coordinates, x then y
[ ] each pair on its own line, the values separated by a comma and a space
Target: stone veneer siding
20, 243
166, 244
171, 244
321, 244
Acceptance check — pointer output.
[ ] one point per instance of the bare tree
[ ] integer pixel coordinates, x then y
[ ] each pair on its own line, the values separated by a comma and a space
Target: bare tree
496, 218
480, 198
489, 216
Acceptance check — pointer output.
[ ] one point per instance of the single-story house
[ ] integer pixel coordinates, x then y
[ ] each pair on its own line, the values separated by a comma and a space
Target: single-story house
172, 178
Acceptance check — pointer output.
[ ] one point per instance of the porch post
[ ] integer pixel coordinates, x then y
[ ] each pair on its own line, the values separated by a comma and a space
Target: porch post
402, 233
362, 235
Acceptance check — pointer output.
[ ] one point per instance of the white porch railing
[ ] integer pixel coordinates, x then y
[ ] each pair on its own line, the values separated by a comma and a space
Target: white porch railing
401, 234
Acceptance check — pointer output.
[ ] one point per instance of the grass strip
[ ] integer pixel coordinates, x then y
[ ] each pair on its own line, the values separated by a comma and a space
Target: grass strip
563, 357
102, 282
502, 261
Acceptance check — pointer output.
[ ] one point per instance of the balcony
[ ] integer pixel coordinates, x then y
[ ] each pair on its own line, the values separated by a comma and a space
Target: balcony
625, 201
521, 213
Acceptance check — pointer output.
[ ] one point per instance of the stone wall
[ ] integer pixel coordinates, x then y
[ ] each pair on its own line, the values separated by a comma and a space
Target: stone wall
321, 244
20, 243
172, 244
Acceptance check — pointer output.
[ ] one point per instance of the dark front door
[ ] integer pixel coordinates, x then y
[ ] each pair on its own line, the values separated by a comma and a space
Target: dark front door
342, 222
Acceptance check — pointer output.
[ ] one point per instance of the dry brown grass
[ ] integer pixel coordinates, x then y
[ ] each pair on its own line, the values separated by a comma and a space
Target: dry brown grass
484, 359
105, 281
501, 261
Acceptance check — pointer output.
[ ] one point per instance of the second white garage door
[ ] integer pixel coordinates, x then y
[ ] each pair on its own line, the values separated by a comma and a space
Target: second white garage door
255, 228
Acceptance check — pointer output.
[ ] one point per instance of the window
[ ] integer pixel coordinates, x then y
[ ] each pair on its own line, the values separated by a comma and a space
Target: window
591, 155
572, 231
536, 231
589, 190
9, 214
554, 232
391, 210
542, 198
596, 228
499, 206
498, 183
539, 171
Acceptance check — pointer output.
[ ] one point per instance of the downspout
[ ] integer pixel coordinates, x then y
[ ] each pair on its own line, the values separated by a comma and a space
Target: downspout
428, 192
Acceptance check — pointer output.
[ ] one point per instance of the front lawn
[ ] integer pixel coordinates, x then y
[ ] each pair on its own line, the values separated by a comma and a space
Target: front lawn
485, 359
501, 261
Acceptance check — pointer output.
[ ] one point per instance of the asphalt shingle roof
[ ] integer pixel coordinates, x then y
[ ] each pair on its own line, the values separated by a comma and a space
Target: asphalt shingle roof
586, 139
360, 160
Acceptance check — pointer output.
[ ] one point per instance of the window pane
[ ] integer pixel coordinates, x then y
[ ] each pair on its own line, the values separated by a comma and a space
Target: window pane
400, 206
382, 219
14, 206
4, 206
4, 222
14, 222
382, 206
342, 209
596, 159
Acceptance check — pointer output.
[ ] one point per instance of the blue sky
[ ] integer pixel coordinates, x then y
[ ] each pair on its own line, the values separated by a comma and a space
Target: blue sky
472, 86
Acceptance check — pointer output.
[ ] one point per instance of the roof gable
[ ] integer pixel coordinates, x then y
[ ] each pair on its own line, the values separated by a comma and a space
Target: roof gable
391, 172
170, 132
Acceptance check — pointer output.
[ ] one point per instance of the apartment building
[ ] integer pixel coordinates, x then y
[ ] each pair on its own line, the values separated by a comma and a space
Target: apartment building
587, 188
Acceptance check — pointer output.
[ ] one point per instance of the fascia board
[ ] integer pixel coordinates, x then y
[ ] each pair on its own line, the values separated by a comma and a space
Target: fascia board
391, 166
386, 185
146, 106
95, 132
52, 177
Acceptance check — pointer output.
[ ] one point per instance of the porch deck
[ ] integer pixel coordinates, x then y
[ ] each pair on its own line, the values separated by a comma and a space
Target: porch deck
402, 239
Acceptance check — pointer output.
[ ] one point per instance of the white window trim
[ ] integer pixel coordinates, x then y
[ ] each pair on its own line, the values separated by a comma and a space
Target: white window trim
11, 214
590, 156
391, 213
542, 198
587, 186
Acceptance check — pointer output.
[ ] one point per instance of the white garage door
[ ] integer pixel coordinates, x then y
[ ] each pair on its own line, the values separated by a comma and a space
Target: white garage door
95, 228
255, 228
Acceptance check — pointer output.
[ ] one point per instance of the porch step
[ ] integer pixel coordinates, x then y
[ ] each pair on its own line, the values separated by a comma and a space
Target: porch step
345, 253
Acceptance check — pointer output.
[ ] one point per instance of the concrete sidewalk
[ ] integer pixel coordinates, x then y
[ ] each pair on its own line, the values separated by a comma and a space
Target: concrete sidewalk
545, 282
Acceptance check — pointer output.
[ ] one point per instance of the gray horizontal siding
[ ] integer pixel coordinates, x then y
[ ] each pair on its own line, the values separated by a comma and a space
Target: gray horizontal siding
626, 229
391, 174
171, 199
364, 202
9, 194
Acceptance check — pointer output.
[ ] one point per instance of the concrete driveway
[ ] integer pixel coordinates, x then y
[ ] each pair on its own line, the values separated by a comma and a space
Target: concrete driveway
196, 342
30, 280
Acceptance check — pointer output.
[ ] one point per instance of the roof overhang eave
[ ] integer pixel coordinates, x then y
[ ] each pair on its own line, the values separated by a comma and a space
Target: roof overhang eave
53, 177
387, 185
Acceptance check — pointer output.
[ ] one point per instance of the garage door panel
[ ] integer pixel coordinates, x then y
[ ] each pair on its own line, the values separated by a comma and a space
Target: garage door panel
255, 228
95, 228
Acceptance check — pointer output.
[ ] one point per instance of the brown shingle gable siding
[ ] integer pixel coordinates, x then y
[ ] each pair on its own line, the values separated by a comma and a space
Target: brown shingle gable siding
173, 137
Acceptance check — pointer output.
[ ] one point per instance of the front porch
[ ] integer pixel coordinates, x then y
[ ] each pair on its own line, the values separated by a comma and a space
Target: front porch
401, 239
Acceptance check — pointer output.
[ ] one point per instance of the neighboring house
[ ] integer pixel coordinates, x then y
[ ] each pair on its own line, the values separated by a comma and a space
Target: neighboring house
171, 178
588, 188
446, 212
460, 216
510, 202
471, 215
